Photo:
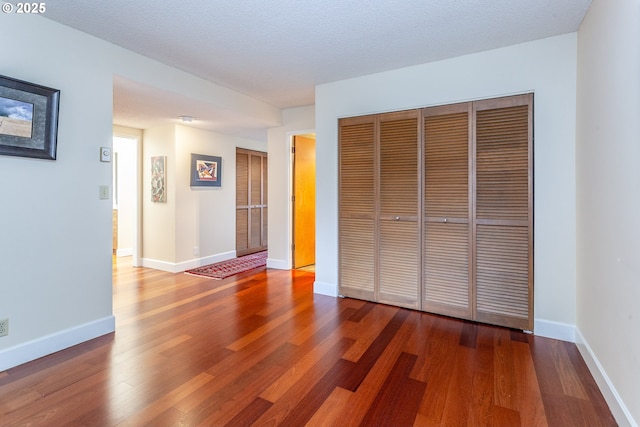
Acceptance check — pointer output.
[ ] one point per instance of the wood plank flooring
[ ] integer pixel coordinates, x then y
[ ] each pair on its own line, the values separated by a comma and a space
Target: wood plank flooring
261, 349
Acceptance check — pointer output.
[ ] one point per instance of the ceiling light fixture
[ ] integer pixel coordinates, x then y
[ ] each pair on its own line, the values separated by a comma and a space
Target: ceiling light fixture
186, 119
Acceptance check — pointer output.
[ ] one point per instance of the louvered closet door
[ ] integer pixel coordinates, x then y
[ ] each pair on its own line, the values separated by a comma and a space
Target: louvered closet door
251, 201
357, 207
504, 211
399, 232
242, 201
447, 213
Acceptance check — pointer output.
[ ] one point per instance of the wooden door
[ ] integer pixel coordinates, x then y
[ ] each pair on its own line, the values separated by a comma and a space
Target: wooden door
504, 211
357, 207
251, 201
304, 201
448, 194
379, 230
399, 229
437, 213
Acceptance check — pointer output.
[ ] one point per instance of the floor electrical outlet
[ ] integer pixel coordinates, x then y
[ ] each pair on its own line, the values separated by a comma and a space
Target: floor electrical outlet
4, 327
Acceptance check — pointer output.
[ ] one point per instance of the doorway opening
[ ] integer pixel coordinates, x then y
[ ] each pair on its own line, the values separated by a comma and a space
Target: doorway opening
303, 154
126, 198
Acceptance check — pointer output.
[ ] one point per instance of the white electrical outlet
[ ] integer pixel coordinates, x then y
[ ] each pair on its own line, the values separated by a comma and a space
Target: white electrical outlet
4, 327
196, 251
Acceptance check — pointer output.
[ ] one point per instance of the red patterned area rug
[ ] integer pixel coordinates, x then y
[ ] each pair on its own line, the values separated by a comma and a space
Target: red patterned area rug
223, 269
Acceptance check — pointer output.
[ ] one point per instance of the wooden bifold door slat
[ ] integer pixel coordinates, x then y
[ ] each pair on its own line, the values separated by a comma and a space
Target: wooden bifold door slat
357, 208
357, 169
446, 240
356, 260
504, 213
398, 266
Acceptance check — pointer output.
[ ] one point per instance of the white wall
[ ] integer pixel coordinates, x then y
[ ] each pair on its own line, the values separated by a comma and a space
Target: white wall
159, 218
56, 243
206, 216
608, 201
55, 279
192, 217
546, 67
295, 121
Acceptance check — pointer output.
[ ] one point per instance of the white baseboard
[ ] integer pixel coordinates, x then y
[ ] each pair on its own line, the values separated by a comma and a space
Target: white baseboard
186, 265
158, 265
32, 350
278, 264
199, 262
328, 289
124, 252
616, 405
555, 330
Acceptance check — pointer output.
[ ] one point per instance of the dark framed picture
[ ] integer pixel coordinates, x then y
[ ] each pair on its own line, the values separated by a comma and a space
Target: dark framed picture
206, 171
28, 119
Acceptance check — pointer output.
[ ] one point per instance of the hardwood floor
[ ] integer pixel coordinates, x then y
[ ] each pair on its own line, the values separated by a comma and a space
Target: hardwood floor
261, 349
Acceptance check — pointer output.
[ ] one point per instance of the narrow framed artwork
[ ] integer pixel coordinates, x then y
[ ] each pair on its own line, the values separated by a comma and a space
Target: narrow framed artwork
158, 183
206, 171
28, 119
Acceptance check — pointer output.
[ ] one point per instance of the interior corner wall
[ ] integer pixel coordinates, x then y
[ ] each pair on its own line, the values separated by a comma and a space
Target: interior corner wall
608, 202
546, 67
294, 121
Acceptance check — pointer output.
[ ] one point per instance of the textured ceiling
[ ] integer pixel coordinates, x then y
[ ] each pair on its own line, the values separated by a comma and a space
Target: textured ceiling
278, 50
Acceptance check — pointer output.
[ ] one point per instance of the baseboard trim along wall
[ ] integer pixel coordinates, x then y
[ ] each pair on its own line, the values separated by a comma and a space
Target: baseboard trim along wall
278, 264
124, 252
328, 289
158, 265
186, 265
199, 262
32, 350
555, 330
616, 405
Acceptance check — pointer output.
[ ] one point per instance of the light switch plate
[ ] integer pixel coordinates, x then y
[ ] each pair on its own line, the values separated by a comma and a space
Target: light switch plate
104, 192
105, 154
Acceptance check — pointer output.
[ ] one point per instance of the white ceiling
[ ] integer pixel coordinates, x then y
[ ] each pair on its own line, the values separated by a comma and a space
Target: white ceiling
278, 50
